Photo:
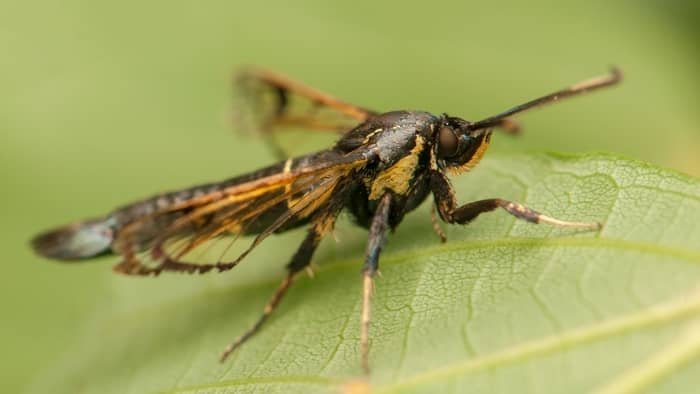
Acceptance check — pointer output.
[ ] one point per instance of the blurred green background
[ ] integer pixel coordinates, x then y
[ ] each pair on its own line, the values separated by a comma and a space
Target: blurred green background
106, 102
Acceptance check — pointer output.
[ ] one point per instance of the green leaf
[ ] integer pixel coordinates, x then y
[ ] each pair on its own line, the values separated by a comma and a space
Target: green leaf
503, 306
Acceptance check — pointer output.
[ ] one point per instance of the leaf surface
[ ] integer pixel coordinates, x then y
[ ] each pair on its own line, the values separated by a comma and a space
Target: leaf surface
503, 306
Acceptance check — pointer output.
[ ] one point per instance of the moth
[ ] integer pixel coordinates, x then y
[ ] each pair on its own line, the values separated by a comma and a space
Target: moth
384, 165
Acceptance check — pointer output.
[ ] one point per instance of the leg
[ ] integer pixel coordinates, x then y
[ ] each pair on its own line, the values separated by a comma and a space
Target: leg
269, 308
301, 260
470, 211
436, 225
509, 125
449, 212
377, 235
275, 147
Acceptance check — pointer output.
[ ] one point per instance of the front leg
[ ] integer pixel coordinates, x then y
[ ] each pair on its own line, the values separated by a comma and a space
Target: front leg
377, 236
447, 207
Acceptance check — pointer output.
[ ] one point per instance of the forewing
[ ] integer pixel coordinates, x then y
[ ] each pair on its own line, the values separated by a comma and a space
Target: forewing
197, 235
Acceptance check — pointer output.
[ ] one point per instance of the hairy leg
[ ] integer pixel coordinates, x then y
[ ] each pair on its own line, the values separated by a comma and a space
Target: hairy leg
451, 213
377, 236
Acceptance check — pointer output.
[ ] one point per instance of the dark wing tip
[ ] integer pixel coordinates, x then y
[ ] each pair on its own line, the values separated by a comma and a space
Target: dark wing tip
75, 241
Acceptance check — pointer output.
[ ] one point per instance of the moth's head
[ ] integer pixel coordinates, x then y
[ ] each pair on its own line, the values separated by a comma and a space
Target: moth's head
458, 147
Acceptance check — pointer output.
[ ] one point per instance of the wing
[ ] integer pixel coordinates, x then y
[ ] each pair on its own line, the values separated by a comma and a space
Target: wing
168, 239
268, 102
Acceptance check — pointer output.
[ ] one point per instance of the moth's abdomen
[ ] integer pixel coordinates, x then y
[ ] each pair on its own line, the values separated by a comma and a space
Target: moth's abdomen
76, 241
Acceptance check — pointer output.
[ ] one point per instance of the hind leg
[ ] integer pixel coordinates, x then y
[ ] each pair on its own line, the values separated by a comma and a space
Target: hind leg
300, 261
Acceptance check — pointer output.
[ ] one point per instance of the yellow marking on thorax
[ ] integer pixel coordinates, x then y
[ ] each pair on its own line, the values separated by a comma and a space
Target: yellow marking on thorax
397, 178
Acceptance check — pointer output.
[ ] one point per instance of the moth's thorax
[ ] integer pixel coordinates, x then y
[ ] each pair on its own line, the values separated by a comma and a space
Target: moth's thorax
401, 142
391, 136
398, 175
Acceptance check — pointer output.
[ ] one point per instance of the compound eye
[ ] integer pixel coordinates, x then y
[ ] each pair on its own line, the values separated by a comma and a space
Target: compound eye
448, 143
